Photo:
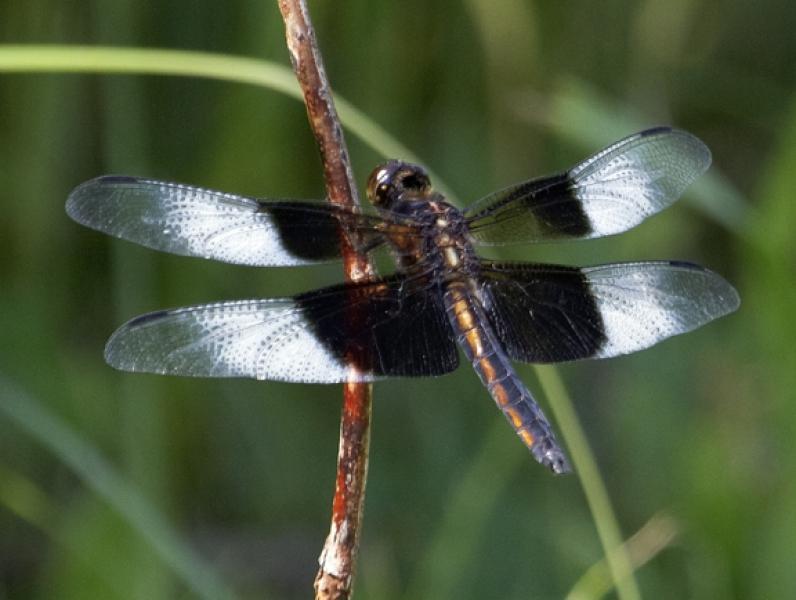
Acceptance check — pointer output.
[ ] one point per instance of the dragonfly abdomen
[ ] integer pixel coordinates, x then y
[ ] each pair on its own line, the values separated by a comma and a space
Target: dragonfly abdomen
474, 335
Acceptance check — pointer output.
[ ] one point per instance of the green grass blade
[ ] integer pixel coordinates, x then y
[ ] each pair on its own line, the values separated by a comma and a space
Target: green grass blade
185, 63
593, 486
656, 535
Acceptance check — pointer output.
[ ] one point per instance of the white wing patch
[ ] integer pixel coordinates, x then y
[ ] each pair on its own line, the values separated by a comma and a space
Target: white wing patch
637, 177
644, 303
262, 339
182, 219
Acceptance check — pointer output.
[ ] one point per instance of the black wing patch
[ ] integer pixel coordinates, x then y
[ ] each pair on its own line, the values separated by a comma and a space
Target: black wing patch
193, 221
610, 192
390, 327
547, 313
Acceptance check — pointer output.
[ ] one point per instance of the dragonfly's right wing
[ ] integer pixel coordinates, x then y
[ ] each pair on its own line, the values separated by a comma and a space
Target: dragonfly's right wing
607, 193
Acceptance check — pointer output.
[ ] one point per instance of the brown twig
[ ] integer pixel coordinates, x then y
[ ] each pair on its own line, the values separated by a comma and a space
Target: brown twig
338, 557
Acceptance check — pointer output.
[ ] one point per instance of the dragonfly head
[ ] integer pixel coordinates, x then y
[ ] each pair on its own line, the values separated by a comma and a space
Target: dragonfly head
396, 181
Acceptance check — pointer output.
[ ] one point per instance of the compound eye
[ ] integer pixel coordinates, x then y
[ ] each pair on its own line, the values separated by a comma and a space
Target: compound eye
415, 181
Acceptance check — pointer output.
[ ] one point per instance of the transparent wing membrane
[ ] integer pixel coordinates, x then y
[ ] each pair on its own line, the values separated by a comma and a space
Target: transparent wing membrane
548, 313
610, 192
350, 332
193, 221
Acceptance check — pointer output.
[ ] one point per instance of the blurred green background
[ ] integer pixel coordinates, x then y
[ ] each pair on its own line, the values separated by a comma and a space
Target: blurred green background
700, 429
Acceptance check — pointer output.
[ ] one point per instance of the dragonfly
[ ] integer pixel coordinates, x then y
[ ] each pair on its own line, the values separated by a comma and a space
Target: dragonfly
441, 298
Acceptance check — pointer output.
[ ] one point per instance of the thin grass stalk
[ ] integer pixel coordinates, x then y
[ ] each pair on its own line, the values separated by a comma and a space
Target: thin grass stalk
657, 534
619, 563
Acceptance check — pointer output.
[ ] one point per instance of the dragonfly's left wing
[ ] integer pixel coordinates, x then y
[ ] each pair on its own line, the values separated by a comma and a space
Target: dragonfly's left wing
193, 221
351, 332
548, 313
608, 193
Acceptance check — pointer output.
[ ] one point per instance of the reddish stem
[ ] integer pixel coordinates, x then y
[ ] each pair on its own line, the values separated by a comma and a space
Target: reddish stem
338, 558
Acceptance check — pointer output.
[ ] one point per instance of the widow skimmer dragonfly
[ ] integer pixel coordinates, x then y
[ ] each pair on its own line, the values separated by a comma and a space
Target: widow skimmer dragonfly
442, 295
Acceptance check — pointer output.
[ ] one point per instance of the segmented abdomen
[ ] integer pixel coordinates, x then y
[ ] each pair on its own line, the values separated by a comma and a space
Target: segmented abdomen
474, 334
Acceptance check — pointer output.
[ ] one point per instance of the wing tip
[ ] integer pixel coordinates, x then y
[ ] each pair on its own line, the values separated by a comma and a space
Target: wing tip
697, 149
723, 292
728, 297
83, 197
76, 200
116, 352
111, 353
